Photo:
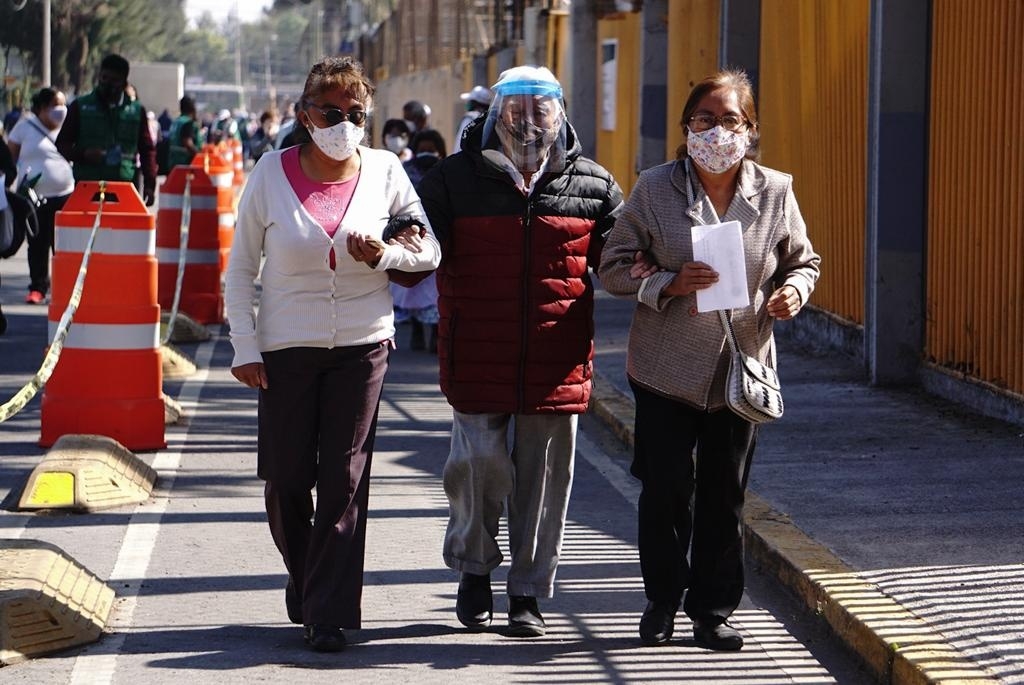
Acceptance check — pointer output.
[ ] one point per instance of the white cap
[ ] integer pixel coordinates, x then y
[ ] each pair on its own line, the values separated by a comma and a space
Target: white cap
224, 114
479, 94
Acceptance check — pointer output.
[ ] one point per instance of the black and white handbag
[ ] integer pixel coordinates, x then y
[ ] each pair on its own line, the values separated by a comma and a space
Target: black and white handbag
752, 388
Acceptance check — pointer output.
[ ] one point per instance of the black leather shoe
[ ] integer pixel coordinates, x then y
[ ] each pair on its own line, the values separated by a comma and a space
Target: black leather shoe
292, 603
658, 622
524, 619
321, 638
720, 637
474, 605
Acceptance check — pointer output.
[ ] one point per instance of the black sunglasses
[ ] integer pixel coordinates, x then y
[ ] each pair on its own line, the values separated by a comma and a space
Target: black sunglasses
334, 116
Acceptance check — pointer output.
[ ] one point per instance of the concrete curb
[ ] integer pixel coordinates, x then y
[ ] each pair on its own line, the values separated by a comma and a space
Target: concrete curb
898, 647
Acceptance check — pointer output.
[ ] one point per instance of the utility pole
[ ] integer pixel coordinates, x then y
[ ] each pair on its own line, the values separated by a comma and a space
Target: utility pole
46, 42
238, 51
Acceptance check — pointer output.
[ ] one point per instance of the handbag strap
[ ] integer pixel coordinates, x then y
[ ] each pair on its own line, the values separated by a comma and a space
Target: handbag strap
730, 334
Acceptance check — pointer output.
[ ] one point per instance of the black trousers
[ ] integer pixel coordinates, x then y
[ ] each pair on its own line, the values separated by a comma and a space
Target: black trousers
690, 505
317, 422
40, 247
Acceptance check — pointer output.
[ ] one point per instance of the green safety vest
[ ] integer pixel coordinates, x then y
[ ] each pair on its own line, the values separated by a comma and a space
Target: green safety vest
177, 152
100, 126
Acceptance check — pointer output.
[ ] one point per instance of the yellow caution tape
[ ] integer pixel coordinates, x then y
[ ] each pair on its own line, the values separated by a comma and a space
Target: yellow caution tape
29, 390
186, 219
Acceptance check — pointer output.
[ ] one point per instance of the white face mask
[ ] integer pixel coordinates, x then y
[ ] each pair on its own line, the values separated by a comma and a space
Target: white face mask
396, 143
339, 142
716, 149
411, 125
57, 114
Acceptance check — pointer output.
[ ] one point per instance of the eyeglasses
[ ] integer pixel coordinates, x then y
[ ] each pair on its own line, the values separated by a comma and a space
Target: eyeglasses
334, 116
703, 122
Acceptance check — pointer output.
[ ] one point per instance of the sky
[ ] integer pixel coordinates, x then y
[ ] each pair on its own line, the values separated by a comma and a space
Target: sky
248, 10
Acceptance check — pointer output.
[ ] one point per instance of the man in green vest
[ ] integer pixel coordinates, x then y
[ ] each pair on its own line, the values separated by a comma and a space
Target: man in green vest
105, 130
185, 138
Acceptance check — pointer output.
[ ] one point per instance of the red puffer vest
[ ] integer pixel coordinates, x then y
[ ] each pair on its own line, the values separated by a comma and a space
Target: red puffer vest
515, 296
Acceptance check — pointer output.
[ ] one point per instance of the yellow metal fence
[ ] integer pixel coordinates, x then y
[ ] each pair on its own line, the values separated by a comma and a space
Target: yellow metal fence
813, 105
975, 306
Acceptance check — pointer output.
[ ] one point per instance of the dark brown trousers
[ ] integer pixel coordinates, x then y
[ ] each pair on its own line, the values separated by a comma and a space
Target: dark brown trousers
317, 420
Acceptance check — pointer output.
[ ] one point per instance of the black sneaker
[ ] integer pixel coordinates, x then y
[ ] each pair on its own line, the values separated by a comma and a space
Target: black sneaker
524, 619
322, 638
474, 604
720, 637
658, 622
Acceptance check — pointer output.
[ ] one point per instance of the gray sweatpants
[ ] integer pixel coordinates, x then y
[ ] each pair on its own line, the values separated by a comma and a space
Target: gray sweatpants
530, 467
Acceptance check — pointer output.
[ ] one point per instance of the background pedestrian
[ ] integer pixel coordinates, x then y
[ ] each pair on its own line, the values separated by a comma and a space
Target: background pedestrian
33, 147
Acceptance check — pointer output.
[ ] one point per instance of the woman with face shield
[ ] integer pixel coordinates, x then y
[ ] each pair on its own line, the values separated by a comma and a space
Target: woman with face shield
522, 216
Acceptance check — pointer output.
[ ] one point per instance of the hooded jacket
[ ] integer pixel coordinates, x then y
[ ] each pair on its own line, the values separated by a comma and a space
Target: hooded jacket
514, 293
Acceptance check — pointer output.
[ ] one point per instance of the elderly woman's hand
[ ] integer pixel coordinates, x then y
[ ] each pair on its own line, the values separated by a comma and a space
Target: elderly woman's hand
252, 375
784, 303
643, 266
365, 248
692, 277
410, 238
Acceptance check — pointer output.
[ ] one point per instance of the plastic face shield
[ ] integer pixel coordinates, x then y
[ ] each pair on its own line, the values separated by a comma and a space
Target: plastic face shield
527, 120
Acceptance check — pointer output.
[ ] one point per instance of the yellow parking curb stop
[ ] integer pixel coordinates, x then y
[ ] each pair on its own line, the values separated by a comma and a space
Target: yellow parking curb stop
47, 601
85, 473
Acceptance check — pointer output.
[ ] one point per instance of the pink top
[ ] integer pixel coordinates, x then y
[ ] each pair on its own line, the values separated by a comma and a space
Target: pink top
325, 202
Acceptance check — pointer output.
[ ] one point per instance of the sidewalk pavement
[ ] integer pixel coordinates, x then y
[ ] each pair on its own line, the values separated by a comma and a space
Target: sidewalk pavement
199, 585
896, 516
893, 515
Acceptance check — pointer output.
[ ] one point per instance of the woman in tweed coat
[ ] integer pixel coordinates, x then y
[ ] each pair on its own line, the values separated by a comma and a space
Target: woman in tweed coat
678, 358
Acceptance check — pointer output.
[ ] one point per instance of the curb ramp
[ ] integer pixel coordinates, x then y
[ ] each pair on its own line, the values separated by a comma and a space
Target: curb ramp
47, 601
86, 473
898, 646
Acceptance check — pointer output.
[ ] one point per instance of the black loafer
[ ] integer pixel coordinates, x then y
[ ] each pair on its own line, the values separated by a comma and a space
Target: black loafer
321, 638
524, 619
292, 603
720, 637
474, 604
658, 622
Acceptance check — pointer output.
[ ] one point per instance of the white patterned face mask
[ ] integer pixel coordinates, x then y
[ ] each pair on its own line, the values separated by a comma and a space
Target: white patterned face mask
339, 142
716, 149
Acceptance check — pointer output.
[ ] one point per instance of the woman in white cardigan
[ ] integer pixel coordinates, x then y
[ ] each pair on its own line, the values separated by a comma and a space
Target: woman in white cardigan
330, 217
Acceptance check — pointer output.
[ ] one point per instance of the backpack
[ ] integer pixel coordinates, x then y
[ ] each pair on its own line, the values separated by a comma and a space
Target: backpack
17, 220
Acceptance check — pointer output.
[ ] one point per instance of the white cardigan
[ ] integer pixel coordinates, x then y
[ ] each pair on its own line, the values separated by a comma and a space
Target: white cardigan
303, 302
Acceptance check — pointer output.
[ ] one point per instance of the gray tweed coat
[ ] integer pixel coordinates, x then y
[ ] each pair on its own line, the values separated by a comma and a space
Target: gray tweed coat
674, 350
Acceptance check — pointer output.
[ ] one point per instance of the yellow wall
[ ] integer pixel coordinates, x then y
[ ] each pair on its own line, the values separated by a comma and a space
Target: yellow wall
975, 285
692, 55
813, 115
617, 148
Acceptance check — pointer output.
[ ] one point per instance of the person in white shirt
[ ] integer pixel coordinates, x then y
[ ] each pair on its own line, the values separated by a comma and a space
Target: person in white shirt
322, 214
477, 100
42, 168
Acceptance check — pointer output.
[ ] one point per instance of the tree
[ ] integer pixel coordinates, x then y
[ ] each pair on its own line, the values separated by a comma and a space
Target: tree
83, 31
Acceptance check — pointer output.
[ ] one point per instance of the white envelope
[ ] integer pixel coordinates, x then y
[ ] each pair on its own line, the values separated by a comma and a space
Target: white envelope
720, 246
